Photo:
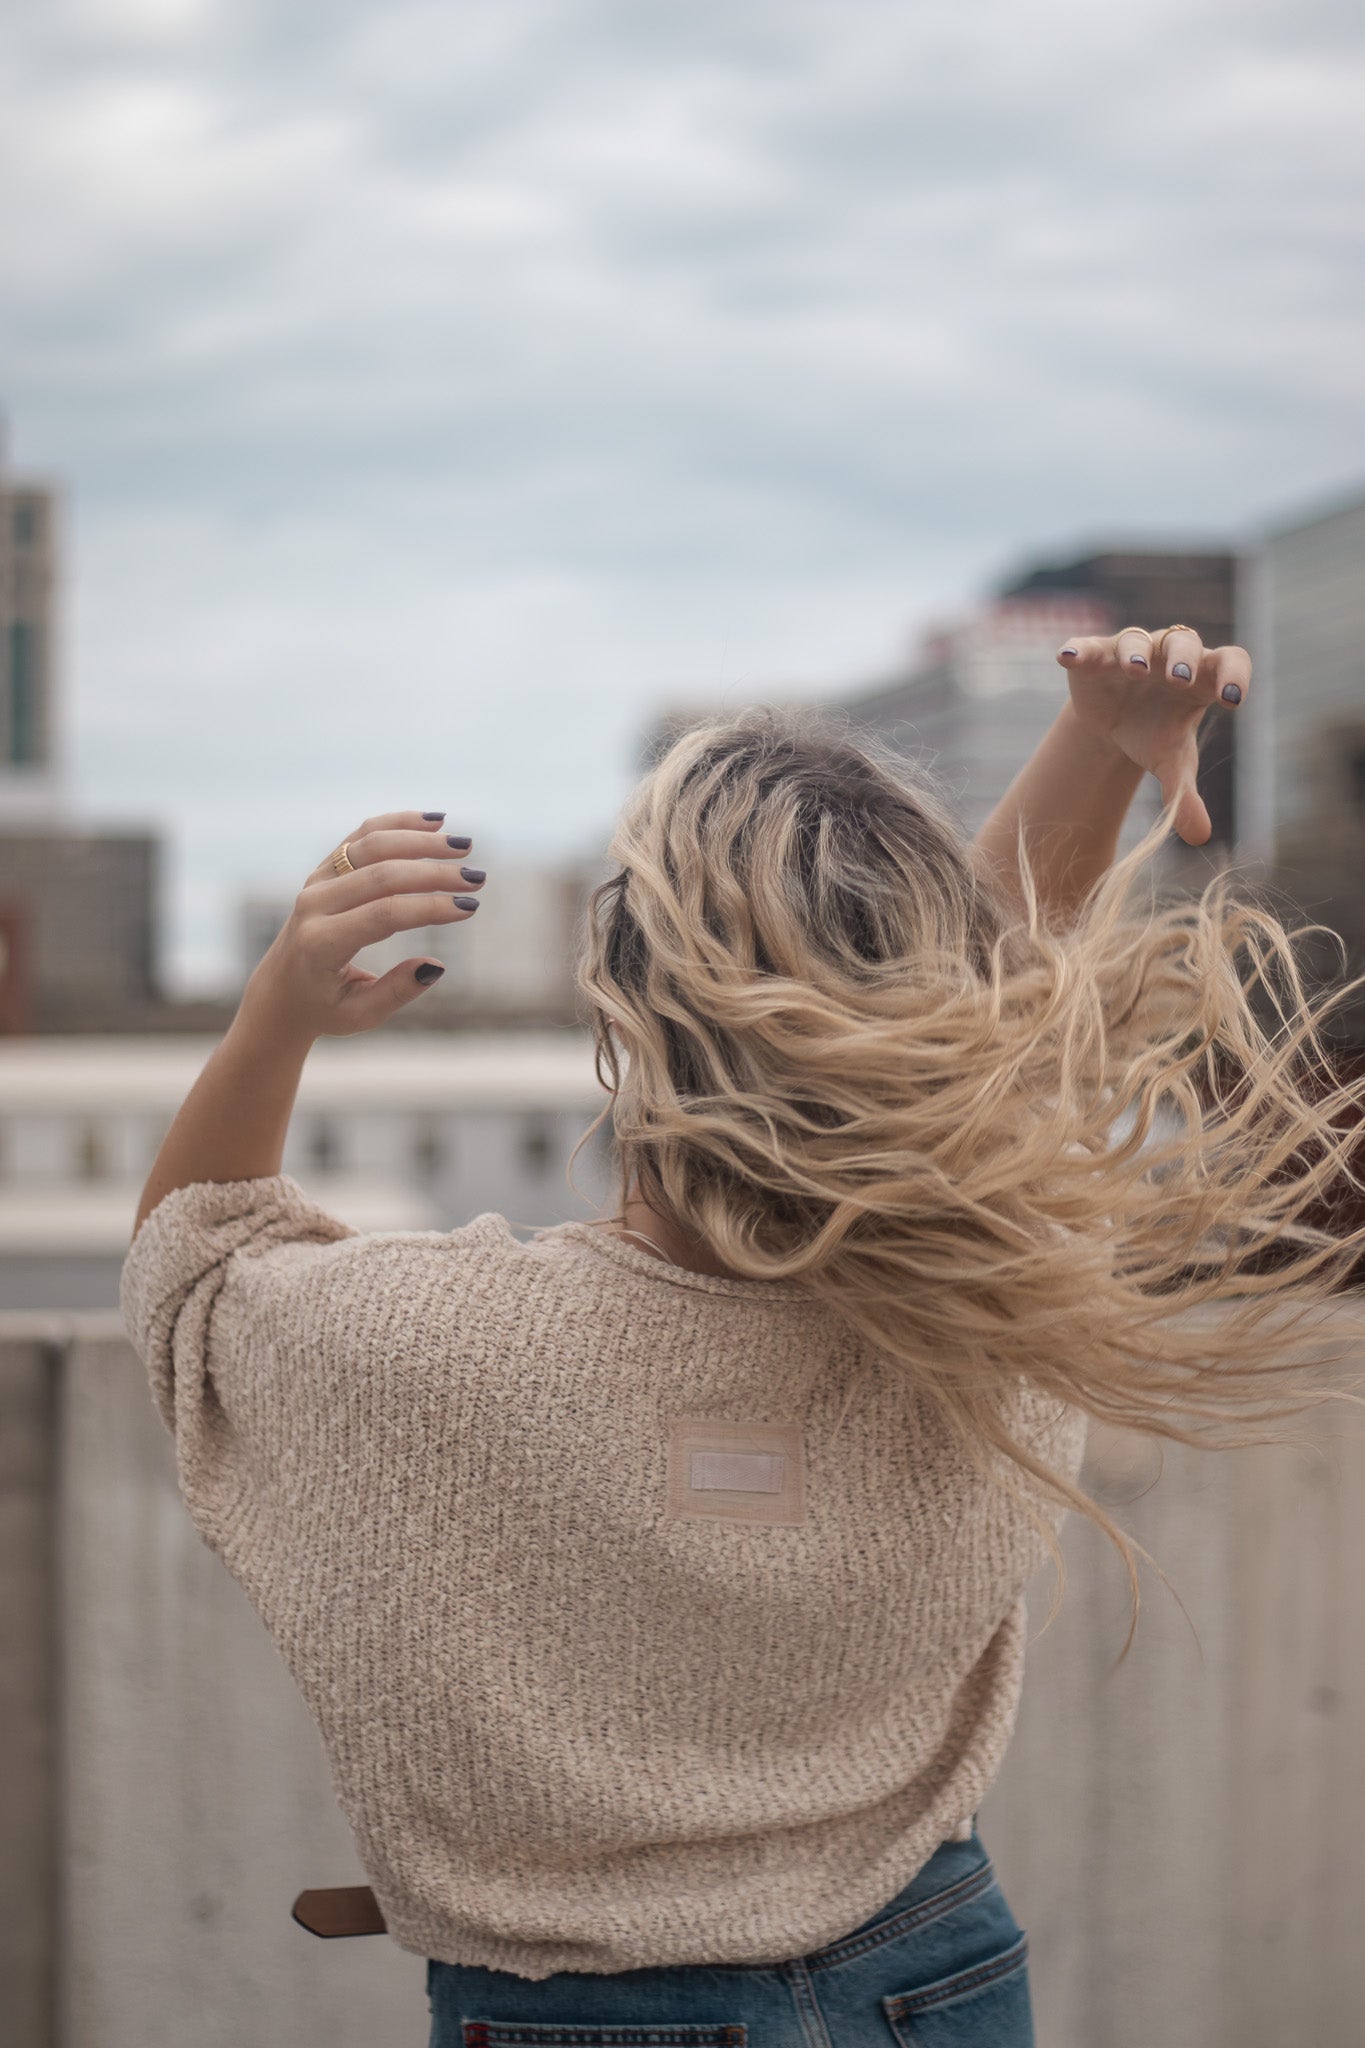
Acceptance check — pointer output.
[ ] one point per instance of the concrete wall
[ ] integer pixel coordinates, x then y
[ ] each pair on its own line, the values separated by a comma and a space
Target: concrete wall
1184, 1840
31, 1377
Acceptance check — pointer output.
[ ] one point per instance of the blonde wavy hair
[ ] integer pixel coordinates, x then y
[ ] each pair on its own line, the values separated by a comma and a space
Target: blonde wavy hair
1002, 1146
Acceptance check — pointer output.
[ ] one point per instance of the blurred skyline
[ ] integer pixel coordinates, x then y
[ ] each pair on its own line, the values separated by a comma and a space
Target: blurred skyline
436, 393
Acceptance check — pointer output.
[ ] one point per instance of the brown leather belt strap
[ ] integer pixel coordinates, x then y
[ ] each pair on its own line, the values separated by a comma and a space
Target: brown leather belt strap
340, 1909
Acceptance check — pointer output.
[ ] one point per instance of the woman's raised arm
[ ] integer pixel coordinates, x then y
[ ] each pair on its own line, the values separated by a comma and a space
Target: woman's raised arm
233, 1123
1135, 705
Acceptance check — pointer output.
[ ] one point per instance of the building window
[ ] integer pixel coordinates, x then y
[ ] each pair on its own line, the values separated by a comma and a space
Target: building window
431, 1151
26, 525
537, 1146
92, 1152
23, 691
323, 1146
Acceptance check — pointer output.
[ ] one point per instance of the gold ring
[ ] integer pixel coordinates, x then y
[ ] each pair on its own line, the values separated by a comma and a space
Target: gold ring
1171, 629
1132, 629
341, 860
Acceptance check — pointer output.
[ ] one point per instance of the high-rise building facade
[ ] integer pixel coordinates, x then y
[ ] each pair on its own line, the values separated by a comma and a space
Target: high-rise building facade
29, 765
1301, 600
1301, 767
77, 903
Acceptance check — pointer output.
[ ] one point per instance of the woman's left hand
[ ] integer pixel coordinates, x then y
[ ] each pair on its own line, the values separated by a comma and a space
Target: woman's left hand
1149, 703
408, 874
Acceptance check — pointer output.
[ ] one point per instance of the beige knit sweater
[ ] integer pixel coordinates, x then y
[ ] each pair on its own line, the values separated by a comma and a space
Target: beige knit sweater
621, 1653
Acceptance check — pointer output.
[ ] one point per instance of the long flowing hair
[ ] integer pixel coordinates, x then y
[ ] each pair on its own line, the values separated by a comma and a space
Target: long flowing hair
1004, 1146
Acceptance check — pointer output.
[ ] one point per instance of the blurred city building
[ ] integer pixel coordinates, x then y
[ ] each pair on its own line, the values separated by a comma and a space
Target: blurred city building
30, 770
78, 904
388, 1134
79, 916
980, 693
1301, 779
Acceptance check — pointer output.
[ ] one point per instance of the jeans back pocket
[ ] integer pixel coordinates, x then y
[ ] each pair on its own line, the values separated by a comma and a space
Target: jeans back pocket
987, 2006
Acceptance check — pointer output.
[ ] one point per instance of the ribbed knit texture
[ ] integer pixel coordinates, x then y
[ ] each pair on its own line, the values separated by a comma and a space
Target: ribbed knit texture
567, 1731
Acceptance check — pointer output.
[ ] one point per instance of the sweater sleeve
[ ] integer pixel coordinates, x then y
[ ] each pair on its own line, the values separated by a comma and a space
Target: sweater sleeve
220, 1292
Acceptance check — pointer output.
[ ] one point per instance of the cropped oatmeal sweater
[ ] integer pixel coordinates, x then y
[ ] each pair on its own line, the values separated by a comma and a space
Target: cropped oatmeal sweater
621, 1652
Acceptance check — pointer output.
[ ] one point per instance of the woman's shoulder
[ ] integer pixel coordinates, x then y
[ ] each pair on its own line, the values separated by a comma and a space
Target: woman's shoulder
582, 1260
490, 1244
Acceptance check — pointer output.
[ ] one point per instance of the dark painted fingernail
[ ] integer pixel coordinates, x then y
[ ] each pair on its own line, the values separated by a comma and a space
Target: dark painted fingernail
1069, 650
1138, 660
460, 845
473, 874
433, 815
1232, 693
1182, 669
465, 902
427, 973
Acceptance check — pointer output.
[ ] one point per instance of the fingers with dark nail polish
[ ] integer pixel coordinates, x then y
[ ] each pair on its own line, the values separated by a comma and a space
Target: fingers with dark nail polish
465, 902
460, 845
473, 874
1232, 693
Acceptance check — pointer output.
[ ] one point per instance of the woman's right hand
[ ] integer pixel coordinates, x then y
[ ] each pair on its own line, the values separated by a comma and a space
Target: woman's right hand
1149, 699
401, 878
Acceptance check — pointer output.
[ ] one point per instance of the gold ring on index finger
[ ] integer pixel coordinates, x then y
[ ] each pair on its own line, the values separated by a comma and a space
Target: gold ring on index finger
1162, 635
341, 859
1132, 629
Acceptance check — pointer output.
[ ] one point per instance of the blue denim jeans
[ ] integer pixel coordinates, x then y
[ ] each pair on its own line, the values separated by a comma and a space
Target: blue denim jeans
943, 1965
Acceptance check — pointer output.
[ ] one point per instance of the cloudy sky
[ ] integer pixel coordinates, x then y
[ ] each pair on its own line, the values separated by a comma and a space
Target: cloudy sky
440, 388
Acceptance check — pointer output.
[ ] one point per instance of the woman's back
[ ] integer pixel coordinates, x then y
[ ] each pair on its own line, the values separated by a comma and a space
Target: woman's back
644, 1614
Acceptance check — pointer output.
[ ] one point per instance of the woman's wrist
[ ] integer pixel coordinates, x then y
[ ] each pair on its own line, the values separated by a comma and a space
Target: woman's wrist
1071, 798
267, 1024
1099, 745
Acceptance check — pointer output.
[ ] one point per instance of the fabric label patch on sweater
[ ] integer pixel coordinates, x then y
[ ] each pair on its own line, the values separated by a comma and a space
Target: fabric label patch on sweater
740, 1471
735, 1472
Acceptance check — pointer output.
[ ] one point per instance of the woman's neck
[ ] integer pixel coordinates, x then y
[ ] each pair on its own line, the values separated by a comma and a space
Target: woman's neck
663, 1240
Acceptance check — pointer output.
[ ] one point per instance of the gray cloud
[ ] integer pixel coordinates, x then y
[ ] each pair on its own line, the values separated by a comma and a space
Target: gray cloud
457, 382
